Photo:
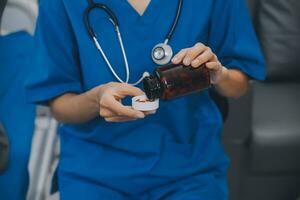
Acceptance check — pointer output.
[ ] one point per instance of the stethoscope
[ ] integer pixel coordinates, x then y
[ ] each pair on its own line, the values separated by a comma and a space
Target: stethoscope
161, 54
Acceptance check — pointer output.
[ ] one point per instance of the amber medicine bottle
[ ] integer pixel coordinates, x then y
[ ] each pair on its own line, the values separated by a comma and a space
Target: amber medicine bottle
171, 81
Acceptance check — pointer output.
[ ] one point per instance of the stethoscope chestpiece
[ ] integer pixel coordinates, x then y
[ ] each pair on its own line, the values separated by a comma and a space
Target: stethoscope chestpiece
162, 54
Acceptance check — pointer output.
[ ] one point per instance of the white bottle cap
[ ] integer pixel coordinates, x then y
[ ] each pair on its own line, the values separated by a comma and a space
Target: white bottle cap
142, 103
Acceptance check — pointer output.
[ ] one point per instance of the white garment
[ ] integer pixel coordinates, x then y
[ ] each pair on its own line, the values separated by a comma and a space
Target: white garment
19, 15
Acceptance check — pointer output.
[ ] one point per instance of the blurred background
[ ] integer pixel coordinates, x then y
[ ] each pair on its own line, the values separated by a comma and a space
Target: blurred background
261, 134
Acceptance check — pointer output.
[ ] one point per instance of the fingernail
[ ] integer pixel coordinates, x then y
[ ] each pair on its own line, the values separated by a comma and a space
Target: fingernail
195, 63
186, 61
152, 112
140, 115
175, 59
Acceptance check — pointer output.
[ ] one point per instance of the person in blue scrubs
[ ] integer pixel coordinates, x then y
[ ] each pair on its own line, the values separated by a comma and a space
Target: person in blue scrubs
173, 154
16, 115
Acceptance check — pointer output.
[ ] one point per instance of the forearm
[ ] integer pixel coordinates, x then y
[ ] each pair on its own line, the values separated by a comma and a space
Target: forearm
74, 108
229, 82
233, 84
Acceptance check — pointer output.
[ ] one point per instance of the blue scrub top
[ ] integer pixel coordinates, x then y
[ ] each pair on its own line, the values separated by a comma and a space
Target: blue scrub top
16, 115
183, 138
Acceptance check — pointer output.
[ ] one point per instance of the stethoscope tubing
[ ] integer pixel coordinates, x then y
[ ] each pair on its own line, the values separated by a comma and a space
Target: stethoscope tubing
113, 19
175, 21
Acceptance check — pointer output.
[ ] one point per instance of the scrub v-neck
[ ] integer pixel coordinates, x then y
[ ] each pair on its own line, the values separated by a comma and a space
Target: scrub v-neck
140, 8
149, 14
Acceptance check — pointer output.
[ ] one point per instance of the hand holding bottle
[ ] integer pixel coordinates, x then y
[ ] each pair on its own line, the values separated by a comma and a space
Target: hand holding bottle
198, 55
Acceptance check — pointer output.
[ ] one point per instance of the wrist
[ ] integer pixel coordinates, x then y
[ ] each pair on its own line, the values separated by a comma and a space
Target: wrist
93, 97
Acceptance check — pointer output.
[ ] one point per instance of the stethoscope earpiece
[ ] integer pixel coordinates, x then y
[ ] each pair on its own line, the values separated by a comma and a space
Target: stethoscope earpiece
162, 54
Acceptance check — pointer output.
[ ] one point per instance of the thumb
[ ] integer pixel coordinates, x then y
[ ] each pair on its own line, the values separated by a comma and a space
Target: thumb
129, 90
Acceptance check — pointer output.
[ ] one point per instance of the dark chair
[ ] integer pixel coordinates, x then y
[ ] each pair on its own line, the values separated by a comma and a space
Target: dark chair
4, 147
2, 6
3, 138
262, 134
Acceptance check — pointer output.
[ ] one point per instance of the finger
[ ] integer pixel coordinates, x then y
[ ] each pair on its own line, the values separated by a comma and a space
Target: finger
213, 65
128, 90
203, 58
215, 58
105, 113
152, 112
121, 110
193, 53
179, 56
119, 119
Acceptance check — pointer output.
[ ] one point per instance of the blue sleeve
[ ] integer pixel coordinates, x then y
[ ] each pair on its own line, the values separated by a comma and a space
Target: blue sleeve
233, 39
54, 65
